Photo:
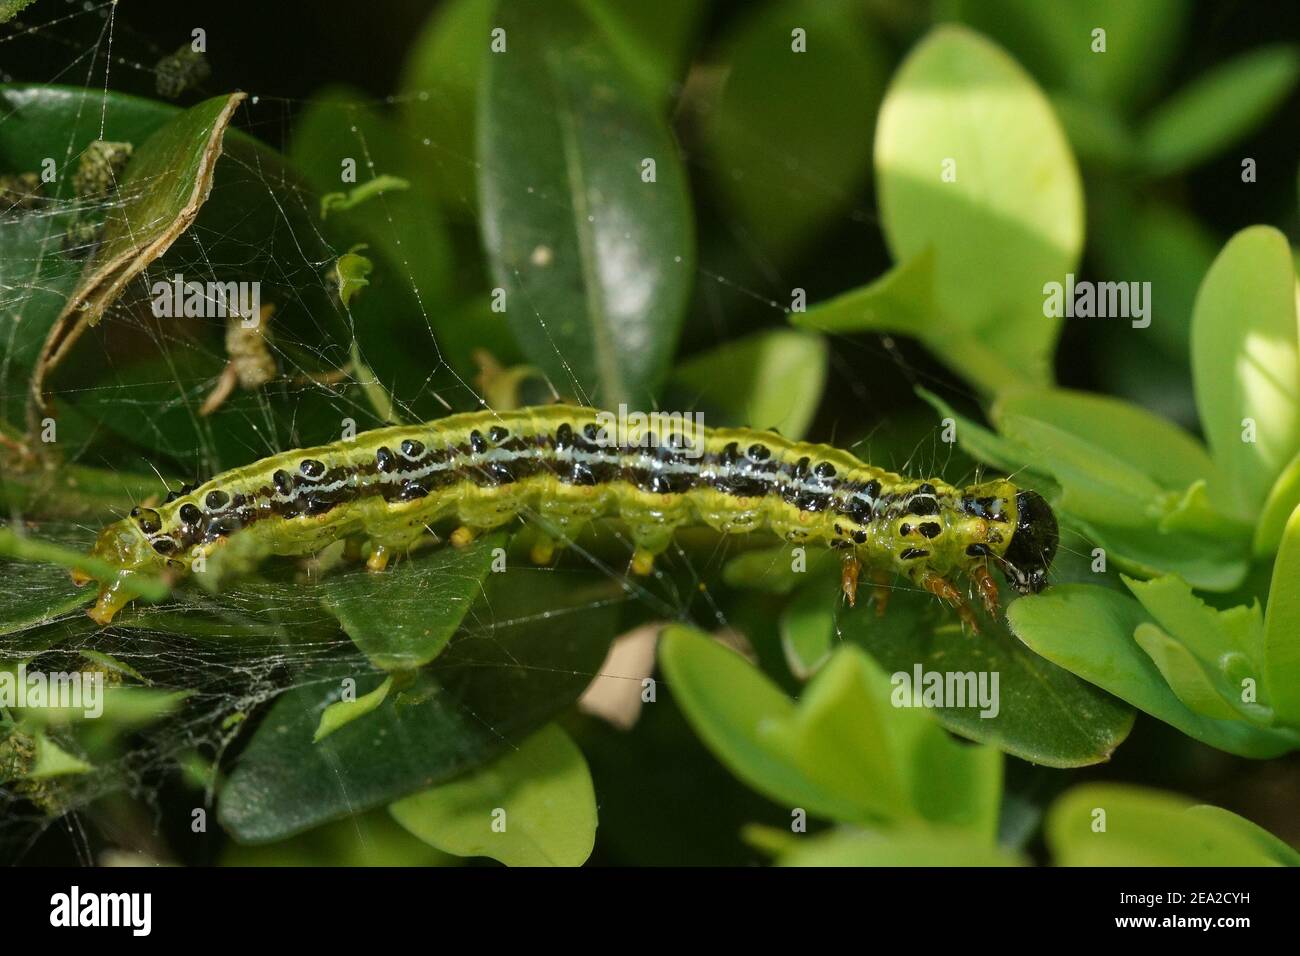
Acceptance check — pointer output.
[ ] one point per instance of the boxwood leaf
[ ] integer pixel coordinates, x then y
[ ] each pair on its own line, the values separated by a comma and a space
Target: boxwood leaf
971, 160
1281, 658
769, 380
440, 82
1089, 631
1282, 499
1118, 825
1245, 363
593, 246
1042, 712
1056, 41
808, 631
844, 752
1281, 852
343, 712
1159, 449
540, 642
1187, 676
787, 169
729, 724
910, 847
1219, 107
424, 601
532, 806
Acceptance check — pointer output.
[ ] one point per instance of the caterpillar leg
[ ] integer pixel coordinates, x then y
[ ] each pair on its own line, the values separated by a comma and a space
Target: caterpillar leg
643, 562
552, 539
986, 588
652, 536
112, 598
880, 591
379, 558
943, 589
462, 537
849, 571
543, 550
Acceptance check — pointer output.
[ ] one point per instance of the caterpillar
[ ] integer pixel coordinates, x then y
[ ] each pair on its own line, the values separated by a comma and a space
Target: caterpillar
566, 465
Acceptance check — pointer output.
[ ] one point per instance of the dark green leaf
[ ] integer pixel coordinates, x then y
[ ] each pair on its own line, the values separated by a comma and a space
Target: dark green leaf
1041, 712
1218, 108
597, 264
1089, 631
530, 648
424, 600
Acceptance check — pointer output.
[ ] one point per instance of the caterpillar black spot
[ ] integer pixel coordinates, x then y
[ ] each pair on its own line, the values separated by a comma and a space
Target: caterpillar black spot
563, 464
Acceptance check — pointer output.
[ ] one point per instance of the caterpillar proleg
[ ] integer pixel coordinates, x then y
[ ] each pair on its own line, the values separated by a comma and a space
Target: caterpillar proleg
564, 464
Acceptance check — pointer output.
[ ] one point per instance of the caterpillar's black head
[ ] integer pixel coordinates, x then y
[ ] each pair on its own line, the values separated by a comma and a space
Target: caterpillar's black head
1033, 544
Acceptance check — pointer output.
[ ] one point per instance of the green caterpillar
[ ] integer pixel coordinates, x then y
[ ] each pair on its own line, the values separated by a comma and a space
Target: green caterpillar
570, 465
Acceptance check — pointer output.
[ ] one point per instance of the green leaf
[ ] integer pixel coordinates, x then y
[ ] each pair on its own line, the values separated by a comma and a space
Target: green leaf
1043, 713
901, 300
1189, 678
1281, 852
785, 169
439, 87
532, 806
845, 752
1161, 451
1245, 363
1013, 218
653, 41
424, 601
1144, 828
1089, 630
1282, 500
808, 632
1097, 133
168, 178
343, 201
777, 570
1218, 108
53, 761
351, 272
1281, 657
367, 839
120, 706
1212, 635
769, 380
1210, 562
543, 635
597, 264
343, 712
730, 723
37, 277
256, 204
912, 847
1055, 41
1095, 485
982, 444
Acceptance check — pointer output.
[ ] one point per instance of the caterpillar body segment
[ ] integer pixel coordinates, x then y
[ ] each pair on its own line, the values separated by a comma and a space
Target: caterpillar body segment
566, 466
